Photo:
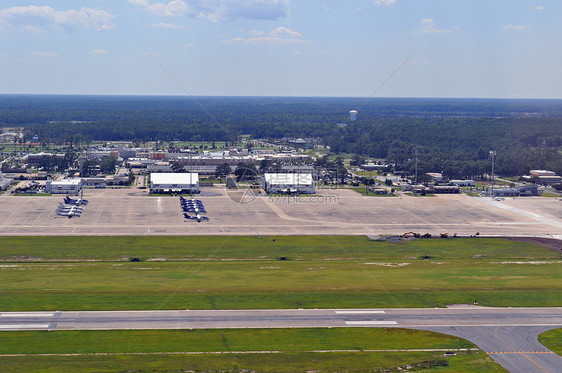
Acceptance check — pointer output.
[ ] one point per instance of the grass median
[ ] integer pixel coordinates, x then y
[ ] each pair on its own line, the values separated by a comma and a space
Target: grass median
278, 272
264, 350
552, 339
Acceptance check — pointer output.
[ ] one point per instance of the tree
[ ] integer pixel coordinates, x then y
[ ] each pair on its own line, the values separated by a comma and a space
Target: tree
357, 160
266, 165
222, 170
177, 168
107, 165
245, 171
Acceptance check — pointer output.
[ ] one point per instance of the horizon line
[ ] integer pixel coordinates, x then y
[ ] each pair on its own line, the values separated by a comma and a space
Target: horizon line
280, 96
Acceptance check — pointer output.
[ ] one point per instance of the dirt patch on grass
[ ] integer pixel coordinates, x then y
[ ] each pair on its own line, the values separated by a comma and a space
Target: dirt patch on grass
549, 243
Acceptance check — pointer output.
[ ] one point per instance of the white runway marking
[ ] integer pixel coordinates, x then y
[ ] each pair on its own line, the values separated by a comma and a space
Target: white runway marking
371, 322
358, 312
26, 314
26, 326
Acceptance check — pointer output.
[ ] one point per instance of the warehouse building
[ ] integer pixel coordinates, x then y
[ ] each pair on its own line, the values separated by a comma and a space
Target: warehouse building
174, 182
65, 186
277, 183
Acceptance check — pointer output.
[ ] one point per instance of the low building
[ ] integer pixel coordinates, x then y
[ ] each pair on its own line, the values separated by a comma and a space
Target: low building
462, 183
436, 176
4, 182
528, 190
277, 183
538, 173
174, 183
95, 182
506, 192
445, 189
545, 177
159, 167
373, 167
65, 186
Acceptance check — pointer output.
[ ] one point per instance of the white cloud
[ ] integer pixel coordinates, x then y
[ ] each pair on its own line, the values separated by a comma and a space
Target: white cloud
43, 54
172, 8
539, 7
278, 35
217, 10
99, 51
515, 27
37, 18
284, 31
384, 2
256, 33
167, 26
428, 27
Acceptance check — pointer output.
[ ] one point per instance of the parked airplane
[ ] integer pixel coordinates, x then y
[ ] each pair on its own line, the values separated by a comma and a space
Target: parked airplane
198, 217
69, 213
194, 209
191, 200
183, 203
62, 207
70, 201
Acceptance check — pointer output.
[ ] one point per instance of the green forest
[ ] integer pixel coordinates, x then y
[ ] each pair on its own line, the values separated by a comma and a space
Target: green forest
454, 136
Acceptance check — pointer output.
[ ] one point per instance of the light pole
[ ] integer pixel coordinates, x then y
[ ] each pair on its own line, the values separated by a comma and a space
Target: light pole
416, 182
493, 153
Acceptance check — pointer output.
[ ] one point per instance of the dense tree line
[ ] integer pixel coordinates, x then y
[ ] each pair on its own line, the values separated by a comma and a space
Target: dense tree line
454, 136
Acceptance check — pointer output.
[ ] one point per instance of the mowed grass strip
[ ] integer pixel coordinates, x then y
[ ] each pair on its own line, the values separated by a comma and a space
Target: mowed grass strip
294, 348
552, 339
224, 340
281, 362
50, 248
277, 284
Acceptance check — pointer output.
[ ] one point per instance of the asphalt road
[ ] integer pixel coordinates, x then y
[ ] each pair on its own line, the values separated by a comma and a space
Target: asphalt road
508, 335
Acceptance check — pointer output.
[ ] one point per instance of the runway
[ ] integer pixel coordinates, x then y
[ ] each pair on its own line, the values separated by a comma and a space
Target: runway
508, 335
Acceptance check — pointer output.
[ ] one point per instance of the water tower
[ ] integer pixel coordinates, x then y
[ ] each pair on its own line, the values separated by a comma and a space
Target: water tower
352, 115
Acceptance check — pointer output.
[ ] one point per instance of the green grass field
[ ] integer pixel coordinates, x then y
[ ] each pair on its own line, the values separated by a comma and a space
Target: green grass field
94, 273
327, 350
553, 340
87, 248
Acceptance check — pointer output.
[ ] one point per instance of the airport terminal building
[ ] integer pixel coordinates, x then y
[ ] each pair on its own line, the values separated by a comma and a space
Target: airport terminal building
279, 183
174, 182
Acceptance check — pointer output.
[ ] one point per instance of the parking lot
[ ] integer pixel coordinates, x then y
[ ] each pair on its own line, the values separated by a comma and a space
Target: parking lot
335, 212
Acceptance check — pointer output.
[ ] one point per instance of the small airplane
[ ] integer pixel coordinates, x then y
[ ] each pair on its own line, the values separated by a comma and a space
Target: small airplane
70, 201
62, 207
194, 209
69, 213
197, 217
191, 203
191, 200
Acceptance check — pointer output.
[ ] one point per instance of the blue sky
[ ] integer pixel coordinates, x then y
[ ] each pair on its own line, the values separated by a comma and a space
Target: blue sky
447, 48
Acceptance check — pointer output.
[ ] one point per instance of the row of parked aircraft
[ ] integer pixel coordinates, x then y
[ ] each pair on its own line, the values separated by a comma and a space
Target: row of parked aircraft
193, 206
71, 207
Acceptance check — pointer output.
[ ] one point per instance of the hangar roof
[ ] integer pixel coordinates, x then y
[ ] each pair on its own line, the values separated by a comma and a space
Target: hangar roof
288, 179
174, 178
